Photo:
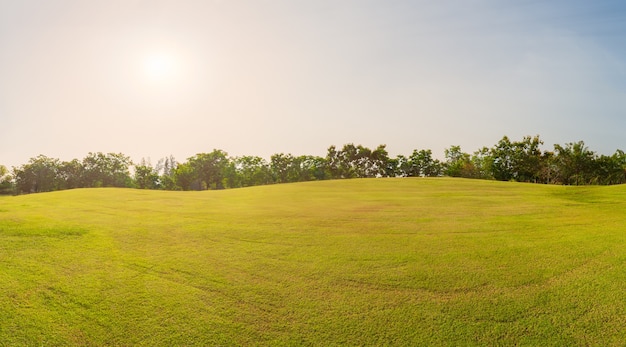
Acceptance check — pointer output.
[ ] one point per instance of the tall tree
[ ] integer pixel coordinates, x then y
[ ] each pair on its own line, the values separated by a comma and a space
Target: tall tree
106, 170
39, 175
458, 163
609, 169
574, 162
548, 169
421, 163
209, 168
315, 167
398, 166
146, 176
503, 157
70, 174
283, 167
308, 168
249, 171
518, 160
528, 159
6, 181
333, 163
167, 167
348, 157
185, 177
356, 161
378, 162
482, 162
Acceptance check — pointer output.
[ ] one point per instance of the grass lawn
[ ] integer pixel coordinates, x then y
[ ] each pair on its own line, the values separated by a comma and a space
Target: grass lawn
350, 262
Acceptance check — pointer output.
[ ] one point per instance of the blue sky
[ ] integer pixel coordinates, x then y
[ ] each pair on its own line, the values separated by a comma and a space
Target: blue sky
154, 78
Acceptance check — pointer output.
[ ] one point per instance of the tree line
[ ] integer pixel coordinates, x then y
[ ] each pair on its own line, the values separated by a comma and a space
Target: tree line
522, 161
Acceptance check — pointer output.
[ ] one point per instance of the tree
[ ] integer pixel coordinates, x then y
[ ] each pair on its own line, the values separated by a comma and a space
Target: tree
458, 163
520, 161
360, 161
333, 163
70, 174
167, 167
609, 169
528, 159
548, 169
378, 162
618, 175
356, 161
348, 156
248, 171
503, 158
309, 168
482, 161
397, 167
282, 167
574, 162
106, 170
39, 175
209, 168
146, 177
422, 164
6, 181
185, 177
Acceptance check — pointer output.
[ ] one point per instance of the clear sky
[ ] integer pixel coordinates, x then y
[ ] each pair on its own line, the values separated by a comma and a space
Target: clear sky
154, 78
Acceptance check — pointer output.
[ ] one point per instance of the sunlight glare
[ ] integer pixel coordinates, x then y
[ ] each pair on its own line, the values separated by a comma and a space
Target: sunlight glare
160, 67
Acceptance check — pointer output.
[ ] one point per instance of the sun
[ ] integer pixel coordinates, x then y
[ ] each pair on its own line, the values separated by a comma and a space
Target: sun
160, 67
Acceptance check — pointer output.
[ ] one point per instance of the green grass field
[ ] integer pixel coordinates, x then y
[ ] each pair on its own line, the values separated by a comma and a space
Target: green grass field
350, 262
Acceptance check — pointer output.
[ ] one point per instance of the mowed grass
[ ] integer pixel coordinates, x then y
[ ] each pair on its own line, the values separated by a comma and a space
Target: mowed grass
350, 262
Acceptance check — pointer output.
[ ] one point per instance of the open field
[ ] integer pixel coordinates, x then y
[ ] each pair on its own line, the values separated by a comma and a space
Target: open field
350, 262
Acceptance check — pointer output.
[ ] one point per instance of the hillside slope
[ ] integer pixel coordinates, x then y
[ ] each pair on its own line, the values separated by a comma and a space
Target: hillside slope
350, 262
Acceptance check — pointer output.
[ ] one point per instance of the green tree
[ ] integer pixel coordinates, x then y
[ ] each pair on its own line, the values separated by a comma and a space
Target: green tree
166, 167
106, 170
283, 167
308, 168
360, 161
210, 168
146, 176
70, 174
185, 177
482, 162
38, 175
315, 166
378, 162
6, 181
248, 171
397, 167
458, 163
333, 163
548, 169
528, 159
422, 164
609, 169
356, 161
520, 160
503, 160
348, 157
574, 163
618, 174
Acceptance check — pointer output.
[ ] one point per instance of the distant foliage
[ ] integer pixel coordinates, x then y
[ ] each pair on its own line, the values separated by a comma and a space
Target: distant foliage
43, 174
522, 161
6, 181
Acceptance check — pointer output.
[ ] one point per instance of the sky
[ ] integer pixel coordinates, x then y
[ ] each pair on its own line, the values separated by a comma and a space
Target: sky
156, 78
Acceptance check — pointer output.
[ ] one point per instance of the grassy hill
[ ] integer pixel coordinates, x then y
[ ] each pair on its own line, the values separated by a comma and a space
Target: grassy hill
350, 262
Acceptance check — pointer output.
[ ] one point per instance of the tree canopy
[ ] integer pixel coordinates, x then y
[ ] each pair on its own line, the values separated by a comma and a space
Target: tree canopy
523, 161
